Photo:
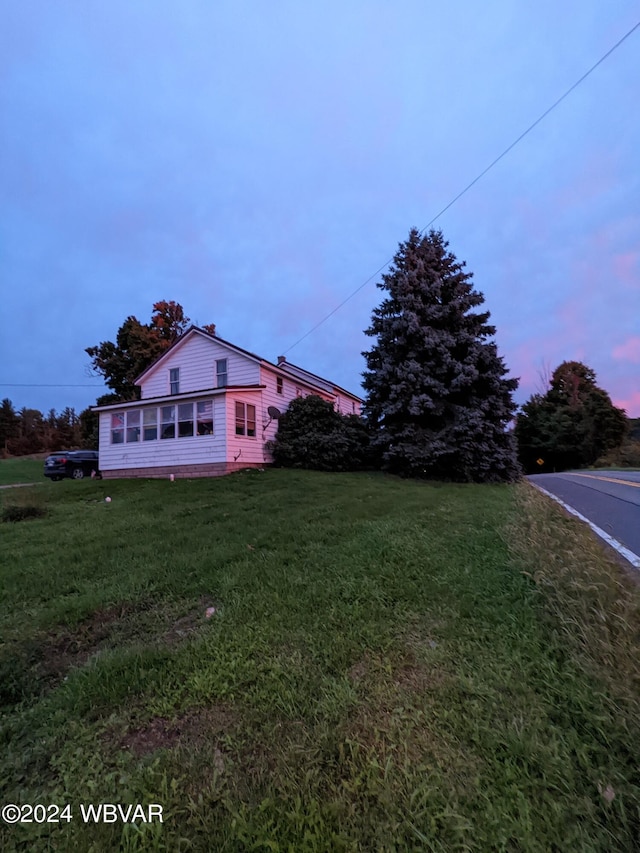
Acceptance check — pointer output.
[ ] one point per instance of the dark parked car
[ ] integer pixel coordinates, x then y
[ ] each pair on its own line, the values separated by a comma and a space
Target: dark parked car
73, 463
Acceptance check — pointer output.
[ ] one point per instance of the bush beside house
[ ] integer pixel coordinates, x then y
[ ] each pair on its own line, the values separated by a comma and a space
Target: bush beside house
312, 435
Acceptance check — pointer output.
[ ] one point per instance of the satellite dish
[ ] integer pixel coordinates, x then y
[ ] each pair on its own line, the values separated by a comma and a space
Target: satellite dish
274, 414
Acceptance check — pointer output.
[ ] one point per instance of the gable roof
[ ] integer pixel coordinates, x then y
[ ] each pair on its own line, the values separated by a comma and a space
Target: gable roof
189, 333
283, 367
302, 373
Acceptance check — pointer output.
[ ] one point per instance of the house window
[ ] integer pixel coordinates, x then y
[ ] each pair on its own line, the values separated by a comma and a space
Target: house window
168, 422
245, 419
174, 380
117, 428
185, 420
353, 408
149, 424
133, 426
279, 384
205, 417
221, 372
298, 392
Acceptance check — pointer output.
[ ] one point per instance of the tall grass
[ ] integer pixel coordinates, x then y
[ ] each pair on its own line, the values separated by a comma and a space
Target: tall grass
386, 665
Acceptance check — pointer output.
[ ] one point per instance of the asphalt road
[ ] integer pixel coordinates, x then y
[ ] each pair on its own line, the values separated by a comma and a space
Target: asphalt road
609, 499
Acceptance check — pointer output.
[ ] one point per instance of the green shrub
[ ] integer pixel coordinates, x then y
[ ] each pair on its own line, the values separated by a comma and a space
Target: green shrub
312, 435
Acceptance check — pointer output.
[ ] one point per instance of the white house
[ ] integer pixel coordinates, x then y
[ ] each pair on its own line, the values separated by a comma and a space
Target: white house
207, 407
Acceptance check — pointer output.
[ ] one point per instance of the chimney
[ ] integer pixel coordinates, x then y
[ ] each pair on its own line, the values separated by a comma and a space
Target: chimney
281, 359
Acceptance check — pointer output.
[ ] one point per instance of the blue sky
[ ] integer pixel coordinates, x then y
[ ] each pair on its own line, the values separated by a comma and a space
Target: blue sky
258, 162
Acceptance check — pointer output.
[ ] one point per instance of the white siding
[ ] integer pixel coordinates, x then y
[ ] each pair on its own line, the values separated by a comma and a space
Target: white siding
196, 357
245, 448
193, 450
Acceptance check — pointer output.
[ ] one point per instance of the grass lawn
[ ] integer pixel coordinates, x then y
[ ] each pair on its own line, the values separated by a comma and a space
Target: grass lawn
21, 470
391, 665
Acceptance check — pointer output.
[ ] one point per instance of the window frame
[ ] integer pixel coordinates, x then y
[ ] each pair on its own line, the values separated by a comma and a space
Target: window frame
183, 430
120, 430
165, 422
243, 419
201, 417
178, 420
174, 381
133, 422
279, 385
147, 426
222, 376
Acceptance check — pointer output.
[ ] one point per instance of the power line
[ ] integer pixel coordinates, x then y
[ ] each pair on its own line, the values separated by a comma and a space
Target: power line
30, 385
474, 181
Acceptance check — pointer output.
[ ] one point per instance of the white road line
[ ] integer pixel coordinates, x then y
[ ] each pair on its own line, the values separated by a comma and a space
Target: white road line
634, 559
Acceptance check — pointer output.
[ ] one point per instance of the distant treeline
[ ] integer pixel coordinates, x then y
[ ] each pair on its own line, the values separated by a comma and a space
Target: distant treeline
27, 431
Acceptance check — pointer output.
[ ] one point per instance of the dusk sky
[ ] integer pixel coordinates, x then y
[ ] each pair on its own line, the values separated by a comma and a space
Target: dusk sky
258, 162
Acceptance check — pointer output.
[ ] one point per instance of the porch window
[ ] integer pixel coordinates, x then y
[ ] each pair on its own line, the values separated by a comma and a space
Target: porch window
117, 428
168, 422
245, 419
174, 380
204, 416
149, 424
185, 420
133, 426
221, 373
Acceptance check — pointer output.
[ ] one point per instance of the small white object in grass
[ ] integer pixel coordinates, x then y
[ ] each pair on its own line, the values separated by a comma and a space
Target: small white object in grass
172, 477
209, 612
107, 500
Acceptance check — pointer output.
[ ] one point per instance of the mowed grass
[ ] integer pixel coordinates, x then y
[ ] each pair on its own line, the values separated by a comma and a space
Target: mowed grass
390, 665
21, 470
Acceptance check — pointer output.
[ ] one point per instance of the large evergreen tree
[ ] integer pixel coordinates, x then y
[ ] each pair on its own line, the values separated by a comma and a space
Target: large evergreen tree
438, 398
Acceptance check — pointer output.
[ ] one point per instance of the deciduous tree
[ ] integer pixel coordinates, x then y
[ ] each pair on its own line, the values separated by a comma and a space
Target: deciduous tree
571, 425
137, 346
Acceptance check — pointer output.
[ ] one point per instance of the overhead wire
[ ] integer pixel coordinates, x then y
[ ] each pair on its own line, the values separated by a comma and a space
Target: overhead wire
473, 182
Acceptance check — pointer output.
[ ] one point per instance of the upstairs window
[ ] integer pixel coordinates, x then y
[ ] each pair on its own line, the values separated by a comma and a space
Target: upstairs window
279, 384
174, 380
245, 419
221, 373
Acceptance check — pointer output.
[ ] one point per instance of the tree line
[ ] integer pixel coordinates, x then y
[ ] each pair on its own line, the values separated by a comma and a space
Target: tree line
27, 431
438, 399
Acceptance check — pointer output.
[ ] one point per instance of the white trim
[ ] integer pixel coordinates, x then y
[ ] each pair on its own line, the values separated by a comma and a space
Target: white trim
634, 559
185, 397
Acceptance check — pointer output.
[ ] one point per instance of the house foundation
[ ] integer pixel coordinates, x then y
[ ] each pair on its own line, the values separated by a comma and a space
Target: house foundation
180, 472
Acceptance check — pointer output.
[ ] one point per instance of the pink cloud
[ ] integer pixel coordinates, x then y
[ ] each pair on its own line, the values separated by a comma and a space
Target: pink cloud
631, 405
628, 351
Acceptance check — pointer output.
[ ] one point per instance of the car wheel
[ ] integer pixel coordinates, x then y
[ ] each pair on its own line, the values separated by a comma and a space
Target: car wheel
77, 474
